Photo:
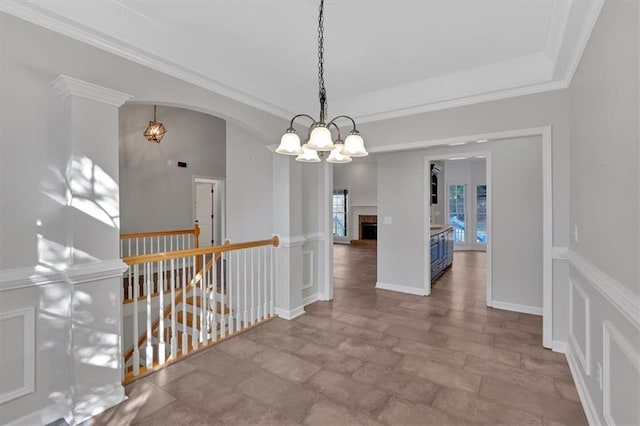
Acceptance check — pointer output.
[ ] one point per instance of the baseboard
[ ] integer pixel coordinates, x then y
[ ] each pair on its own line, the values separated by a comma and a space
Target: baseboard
559, 346
401, 289
310, 299
583, 392
44, 416
290, 314
525, 309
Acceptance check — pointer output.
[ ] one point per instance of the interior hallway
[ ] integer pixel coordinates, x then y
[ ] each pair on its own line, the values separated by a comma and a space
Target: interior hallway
371, 357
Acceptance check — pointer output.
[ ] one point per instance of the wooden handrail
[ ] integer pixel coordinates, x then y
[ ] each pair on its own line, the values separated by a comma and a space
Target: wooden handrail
156, 257
195, 231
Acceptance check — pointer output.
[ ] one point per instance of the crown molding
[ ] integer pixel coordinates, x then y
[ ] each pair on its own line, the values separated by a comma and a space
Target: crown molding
69, 86
36, 13
551, 69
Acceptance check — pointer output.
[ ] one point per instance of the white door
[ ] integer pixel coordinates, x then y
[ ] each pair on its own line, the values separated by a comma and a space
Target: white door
205, 213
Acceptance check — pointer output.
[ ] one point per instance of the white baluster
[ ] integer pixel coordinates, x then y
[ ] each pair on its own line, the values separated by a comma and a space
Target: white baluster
272, 264
265, 284
203, 300
151, 248
136, 350
246, 314
238, 325
121, 248
162, 354
149, 347
253, 286
184, 306
174, 339
222, 293
214, 300
129, 247
137, 247
230, 288
194, 322
259, 305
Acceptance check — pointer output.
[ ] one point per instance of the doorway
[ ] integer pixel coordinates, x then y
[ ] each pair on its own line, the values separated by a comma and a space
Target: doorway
208, 210
458, 213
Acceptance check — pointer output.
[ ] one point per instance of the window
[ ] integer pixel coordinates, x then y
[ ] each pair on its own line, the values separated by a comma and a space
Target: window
340, 212
456, 212
481, 214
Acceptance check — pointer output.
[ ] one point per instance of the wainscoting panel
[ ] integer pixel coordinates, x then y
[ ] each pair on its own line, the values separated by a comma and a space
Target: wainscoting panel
307, 269
17, 354
580, 325
620, 378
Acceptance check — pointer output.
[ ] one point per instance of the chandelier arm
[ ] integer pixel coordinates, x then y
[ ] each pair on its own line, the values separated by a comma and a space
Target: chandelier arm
343, 116
302, 115
337, 128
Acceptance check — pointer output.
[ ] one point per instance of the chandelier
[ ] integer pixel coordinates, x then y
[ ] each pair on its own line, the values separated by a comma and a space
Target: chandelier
319, 138
155, 131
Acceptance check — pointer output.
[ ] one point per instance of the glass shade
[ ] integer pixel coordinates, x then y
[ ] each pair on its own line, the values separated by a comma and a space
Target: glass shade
354, 145
337, 157
308, 155
320, 139
289, 144
154, 132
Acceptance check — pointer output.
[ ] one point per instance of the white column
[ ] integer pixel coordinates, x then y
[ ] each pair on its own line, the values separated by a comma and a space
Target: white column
90, 121
325, 190
287, 224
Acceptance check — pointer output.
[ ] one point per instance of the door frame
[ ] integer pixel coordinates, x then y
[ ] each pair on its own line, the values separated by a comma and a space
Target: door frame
221, 199
427, 215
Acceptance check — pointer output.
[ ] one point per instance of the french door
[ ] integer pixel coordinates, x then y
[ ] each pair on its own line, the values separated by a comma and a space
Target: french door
467, 213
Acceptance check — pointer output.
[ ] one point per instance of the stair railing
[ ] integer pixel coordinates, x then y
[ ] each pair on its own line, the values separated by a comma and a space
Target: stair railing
141, 243
211, 293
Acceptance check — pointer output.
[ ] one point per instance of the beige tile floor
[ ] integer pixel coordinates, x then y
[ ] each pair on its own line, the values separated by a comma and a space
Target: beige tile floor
370, 357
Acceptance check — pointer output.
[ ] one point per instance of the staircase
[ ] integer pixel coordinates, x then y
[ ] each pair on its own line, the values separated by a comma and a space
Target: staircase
179, 311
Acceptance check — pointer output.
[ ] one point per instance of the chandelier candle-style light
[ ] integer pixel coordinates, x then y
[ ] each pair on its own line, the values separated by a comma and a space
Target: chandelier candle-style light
155, 131
319, 137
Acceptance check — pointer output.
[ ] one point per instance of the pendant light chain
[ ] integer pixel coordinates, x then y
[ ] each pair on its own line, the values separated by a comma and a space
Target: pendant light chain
319, 137
322, 91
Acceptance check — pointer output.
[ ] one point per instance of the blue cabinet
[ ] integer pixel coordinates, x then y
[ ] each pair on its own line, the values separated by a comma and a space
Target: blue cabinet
441, 250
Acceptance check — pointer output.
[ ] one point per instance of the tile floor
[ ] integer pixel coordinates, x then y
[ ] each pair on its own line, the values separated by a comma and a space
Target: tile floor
370, 357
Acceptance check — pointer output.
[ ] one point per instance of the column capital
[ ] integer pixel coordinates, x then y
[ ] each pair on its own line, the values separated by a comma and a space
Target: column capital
69, 86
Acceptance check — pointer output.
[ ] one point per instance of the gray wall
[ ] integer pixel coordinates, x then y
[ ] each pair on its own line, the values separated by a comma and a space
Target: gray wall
605, 193
248, 186
156, 196
517, 218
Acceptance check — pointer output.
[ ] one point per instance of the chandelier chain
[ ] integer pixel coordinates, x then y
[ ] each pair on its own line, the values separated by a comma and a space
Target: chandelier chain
322, 91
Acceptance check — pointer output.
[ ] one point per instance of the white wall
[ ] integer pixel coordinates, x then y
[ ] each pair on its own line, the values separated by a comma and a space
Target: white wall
156, 196
517, 219
605, 185
360, 177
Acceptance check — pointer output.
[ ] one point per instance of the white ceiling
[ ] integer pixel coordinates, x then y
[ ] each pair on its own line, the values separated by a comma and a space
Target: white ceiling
383, 58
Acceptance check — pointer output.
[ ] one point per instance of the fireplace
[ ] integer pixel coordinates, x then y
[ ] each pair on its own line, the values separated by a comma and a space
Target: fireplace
368, 227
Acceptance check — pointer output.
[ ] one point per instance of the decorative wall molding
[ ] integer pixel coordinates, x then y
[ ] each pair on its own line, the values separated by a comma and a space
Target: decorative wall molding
312, 237
610, 334
69, 86
84, 273
401, 288
583, 392
12, 279
308, 274
28, 352
514, 307
623, 299
293, 241
560, 253
583, 353
290, 314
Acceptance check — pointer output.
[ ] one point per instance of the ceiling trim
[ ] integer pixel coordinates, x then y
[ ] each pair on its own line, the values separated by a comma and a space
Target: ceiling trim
48, 19
551, 69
